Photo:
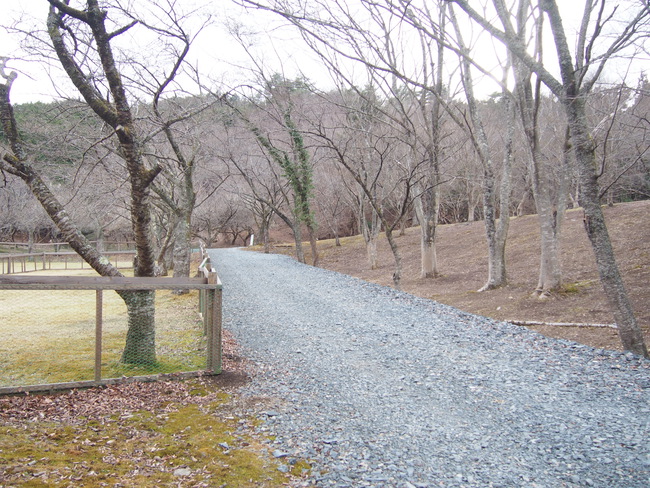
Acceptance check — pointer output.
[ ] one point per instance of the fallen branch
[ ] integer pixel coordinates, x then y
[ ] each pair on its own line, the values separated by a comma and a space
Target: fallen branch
529, 323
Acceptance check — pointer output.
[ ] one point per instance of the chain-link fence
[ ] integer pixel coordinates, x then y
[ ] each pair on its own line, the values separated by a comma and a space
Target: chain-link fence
79, 331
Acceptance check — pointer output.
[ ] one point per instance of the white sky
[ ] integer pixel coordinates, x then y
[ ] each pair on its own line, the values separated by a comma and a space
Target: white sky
217, 55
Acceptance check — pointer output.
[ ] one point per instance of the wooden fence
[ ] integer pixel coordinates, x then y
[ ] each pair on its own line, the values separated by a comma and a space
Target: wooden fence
27, 262
207, 283
64, 246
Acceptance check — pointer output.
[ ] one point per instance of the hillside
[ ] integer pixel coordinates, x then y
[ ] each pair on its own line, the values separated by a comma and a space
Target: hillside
462, 256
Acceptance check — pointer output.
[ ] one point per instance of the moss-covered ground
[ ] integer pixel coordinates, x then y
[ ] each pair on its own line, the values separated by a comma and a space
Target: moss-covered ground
184, 434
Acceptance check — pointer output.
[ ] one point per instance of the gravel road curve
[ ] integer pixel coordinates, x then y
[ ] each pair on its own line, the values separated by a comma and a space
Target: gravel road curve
379, 388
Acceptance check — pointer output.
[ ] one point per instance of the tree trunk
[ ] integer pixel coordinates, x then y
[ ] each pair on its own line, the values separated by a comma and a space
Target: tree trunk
371, 252
397, 274
471, 210
370, 230
550, 214
265, 238
314, 246
496, 237
428, 222
594, 221
140, 345
30, 241
297, 237
589, 198
114, 110
182, 249
550, 198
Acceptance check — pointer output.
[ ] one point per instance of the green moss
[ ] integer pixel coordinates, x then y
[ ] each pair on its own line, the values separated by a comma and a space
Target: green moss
182, 447
301, 468
573, 288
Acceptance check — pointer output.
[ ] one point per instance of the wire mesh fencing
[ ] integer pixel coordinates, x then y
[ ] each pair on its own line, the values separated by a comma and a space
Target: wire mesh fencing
69, 331
57, 260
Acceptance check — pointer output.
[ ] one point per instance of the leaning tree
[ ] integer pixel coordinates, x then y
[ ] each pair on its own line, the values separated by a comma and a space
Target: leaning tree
85, 40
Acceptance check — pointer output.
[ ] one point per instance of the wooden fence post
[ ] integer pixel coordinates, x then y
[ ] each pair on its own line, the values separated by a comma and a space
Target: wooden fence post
212, 320
98, 334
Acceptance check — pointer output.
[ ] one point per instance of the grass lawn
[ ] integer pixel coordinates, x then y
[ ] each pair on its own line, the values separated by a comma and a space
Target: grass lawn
48, 336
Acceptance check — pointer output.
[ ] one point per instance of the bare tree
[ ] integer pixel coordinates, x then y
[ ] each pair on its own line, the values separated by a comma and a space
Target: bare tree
496, 229
82, 40
283, 143
365, 146
579, 71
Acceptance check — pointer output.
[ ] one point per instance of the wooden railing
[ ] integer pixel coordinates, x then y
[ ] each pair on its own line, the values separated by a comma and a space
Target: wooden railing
209, 288
28, 262
64, 246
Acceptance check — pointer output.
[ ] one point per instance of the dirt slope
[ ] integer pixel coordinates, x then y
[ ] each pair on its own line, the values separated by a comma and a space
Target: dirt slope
462, 256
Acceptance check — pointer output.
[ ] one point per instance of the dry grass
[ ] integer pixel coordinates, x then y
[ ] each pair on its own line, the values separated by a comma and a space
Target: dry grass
48, 336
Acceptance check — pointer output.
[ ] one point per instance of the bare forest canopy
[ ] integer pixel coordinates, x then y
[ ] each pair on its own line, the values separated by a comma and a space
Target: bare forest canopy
63, 136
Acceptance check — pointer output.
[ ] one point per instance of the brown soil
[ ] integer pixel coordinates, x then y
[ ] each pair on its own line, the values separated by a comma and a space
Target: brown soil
462, 257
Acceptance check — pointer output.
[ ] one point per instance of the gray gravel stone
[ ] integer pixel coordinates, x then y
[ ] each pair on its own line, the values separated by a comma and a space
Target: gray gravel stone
380, 388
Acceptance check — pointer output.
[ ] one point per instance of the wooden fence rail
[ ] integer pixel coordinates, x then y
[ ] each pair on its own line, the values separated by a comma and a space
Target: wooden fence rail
28, 262
209, 288
64, 246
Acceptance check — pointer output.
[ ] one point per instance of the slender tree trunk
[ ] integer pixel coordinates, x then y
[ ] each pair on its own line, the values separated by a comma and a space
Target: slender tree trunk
594, 221
30, 241
397, 274
297, 237
265, 237
471, 208
550, 198
550, 214
496, 236
313, 242
370, 230
589, 197
371, 252
182, 248
428, 223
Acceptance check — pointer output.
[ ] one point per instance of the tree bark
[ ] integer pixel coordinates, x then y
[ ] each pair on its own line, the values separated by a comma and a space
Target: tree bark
589, 198
115, 111
496, 233
428, 224
370, 229
594, 221
182, 248
550, 198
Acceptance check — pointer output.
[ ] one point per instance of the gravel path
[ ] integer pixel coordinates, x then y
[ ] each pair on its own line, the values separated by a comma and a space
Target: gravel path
383, 389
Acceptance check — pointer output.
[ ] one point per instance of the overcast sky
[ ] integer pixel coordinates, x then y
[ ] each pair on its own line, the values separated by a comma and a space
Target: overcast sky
215, 53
